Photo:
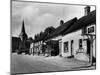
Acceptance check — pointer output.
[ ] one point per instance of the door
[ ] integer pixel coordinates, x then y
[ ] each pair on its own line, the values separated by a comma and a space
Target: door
72, 47
88, 47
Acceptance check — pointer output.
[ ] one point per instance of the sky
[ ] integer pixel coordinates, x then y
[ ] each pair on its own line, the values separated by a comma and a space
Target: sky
38, 16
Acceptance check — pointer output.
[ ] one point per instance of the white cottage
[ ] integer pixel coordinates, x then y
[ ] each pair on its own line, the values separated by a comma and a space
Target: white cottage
79, 40
55, 38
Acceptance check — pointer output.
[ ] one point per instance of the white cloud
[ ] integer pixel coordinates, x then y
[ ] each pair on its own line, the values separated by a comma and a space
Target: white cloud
41, 22
45, 19
35, 20
30, 12
38, 16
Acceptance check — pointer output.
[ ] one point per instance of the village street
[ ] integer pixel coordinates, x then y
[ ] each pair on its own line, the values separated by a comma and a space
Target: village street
32, 64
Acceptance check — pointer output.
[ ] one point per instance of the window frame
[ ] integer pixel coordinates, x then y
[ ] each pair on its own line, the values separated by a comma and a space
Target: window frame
80, 43
66, 48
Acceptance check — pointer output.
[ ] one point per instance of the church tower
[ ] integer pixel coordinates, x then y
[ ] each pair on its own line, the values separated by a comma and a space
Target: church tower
23, 36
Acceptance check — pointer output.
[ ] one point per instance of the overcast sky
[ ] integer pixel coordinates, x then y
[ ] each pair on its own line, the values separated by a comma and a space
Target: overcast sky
38, 16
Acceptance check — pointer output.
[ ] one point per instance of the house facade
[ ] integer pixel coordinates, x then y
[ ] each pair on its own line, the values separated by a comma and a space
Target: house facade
53, 41
80, 39
73, 44
37, 47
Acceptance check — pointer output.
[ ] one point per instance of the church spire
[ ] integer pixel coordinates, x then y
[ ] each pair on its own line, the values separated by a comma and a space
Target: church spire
23, 34
23, 28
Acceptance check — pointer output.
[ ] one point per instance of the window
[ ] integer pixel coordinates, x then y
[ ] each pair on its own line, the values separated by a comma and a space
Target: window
80, 43
65, 47
60, 45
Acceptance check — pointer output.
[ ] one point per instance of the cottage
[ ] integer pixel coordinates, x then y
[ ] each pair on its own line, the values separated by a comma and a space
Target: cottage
53, 40
79, 40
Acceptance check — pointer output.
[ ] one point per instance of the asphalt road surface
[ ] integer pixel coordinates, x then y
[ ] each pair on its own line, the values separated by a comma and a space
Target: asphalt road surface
34, 64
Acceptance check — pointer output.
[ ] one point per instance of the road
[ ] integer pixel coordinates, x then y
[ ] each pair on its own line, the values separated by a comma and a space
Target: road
33, 64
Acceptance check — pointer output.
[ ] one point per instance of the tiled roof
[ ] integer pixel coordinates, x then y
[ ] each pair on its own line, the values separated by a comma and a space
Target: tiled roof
62, 28
83, 22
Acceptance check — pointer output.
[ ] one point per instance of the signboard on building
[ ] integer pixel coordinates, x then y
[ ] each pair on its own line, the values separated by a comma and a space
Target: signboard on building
91, 29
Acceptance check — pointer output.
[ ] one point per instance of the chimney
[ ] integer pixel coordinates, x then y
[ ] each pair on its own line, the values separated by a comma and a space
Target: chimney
87, 10
61, 22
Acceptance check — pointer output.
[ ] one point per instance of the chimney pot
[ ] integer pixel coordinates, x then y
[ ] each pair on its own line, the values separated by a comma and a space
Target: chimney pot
87, 10
61, 22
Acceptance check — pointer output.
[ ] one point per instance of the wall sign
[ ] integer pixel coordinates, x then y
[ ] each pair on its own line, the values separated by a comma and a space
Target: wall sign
91, 29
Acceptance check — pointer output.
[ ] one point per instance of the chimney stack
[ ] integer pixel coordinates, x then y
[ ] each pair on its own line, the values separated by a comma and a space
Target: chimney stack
61, 22
87, 10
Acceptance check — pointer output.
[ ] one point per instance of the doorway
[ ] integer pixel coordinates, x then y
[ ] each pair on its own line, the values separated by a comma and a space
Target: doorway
88, 47
72, 42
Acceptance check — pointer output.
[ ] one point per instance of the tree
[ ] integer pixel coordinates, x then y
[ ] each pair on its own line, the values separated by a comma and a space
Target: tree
41, 33
30, 39
35, 36
49, 30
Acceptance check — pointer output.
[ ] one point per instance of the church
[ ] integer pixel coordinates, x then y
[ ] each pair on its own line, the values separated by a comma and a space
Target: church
21, 44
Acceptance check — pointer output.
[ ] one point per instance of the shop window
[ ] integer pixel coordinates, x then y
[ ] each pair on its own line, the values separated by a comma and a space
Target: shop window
65, 47
80, 43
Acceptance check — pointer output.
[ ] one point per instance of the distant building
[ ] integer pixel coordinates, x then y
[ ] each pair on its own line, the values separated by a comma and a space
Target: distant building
79, 40
23, 36
15, 43
24, 45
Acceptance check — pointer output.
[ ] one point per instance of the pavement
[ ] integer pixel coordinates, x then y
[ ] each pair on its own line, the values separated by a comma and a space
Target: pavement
21, 64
